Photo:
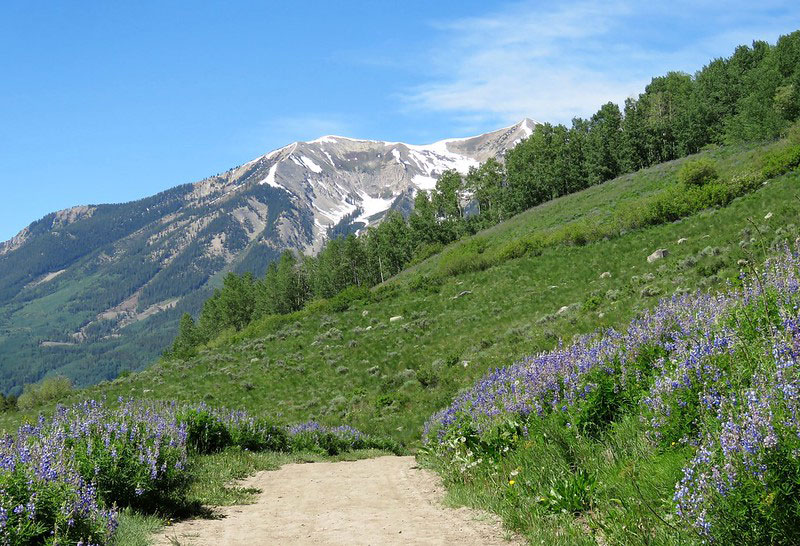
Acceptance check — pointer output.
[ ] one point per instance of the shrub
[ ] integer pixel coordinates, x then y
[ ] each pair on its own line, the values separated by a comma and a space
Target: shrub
344, 299
425, 283
781, 161
428, 376
467, 257
61, 480
50, 389
530, 245
205, 432
423, 252
260, 435
312, 436
697, 172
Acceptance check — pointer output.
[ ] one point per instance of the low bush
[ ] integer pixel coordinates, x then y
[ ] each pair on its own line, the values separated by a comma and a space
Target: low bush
205, 432
347, 297
425, 283
133, 456
423, 252
50, 389
697, 172
314, 437
530, 245
781, 160
260, 435
212, 430
466, 257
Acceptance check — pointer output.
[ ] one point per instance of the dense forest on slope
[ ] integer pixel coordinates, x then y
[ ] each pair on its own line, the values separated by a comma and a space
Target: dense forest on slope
60, 309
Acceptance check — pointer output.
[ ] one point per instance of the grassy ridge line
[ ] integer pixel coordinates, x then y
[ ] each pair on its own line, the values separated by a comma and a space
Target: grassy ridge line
601, 211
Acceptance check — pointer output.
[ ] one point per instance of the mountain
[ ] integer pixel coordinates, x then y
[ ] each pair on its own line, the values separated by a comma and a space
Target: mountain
93, 290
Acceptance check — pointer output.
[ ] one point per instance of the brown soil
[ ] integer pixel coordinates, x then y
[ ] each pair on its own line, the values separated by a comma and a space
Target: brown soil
387, 500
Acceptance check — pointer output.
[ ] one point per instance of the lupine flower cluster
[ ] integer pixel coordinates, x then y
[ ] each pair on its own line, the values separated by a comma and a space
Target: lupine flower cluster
63, 478
312, 436
718, 373
557, 380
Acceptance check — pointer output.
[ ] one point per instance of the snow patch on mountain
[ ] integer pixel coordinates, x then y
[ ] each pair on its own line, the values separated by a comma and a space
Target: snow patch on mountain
310, 165
270, 178
372, 206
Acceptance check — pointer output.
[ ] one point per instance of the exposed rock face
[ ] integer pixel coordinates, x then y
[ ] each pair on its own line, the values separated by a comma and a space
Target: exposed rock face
148, 261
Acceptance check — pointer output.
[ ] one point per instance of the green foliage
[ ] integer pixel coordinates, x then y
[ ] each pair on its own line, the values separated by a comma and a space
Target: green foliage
698, 172
424, 251
526, 246
781, 160
571, 494
338, 441
762, 511
205, 433
8, 403
261, 435
49, 390
425, 283
465, 257
347, 297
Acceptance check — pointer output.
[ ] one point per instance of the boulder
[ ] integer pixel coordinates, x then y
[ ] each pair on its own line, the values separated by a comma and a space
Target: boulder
605, 275
397, 318
658, 255
682, 240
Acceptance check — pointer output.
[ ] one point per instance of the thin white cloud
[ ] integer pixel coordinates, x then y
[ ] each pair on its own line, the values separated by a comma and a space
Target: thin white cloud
554, 61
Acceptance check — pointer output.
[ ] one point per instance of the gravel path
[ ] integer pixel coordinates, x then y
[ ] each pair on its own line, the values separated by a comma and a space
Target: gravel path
386, 500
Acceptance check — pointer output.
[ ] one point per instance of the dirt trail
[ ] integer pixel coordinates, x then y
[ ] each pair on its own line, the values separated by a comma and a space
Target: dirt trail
387, 500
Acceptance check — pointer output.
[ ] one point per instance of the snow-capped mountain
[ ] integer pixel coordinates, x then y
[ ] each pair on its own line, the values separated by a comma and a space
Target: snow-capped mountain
104, 285
335, 177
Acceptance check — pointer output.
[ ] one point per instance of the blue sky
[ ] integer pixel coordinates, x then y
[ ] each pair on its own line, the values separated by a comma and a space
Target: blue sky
112, 101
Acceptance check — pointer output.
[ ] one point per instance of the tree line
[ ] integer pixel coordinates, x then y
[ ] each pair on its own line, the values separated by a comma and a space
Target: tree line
752, 95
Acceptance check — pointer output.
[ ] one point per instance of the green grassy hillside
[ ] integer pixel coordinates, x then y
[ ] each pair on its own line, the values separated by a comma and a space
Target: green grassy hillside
385, 360
357, 366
